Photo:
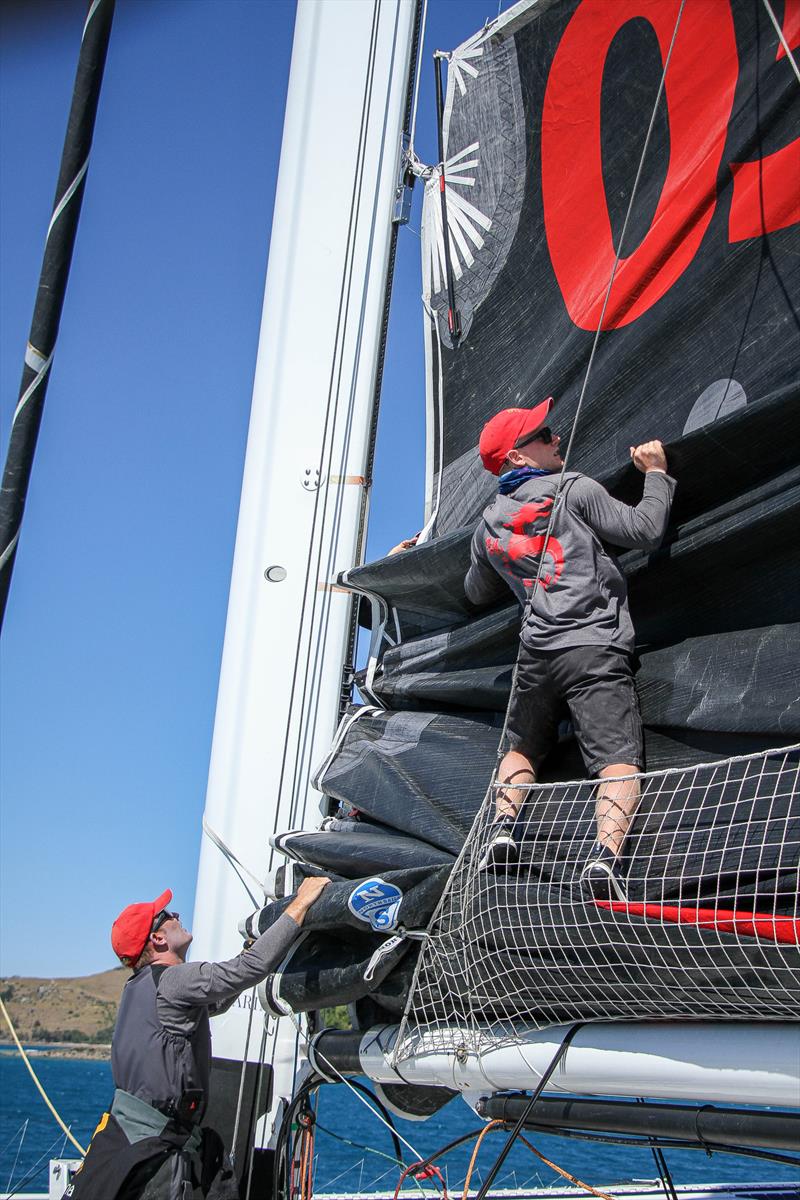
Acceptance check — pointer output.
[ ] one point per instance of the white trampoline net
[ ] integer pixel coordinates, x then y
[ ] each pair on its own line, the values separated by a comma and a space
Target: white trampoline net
709, 929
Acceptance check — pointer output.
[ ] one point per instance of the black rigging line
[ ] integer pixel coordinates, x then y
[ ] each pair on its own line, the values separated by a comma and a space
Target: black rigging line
535, 1094
383, 1110
283, 1140
251, 1141
52, 285
590, 363
424, 1163
618, 1139
283, 1148
37, 1168
664, 1173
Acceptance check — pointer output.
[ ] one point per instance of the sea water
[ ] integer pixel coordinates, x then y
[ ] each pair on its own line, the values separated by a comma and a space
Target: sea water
353, 1150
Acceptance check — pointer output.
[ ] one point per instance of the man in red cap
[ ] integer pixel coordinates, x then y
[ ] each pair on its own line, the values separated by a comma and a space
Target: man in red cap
577, 638
161, 1055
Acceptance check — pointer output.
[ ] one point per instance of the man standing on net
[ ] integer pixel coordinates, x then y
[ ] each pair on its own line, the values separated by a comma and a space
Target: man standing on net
577, 638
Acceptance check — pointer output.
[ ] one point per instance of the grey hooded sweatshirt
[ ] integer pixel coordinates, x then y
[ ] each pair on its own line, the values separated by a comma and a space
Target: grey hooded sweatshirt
581, 598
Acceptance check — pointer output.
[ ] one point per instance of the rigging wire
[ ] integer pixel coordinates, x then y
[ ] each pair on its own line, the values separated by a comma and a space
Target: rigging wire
407, 166
236, 863
782, 39
242, 1077
24, 1128
64, 1128
664, 1173
315, 655
564, 1173
17, 1132
497, 1124
398, 1162
329, 426
618, 1139
590, 363
350, 1083
37, 1168
382, 1108
253, 1117
417, 73
544, 1079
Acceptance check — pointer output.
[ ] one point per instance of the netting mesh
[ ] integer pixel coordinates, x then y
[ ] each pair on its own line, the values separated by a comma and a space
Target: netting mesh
709, 930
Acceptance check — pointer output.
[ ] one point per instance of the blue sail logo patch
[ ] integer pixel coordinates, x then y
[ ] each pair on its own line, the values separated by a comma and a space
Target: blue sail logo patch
376, 902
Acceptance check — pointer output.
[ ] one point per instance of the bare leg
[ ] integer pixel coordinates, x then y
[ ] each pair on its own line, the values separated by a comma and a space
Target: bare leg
515, 770
615, 806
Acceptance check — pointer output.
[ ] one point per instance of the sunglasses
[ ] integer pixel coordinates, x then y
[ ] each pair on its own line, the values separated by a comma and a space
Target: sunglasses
545, 434
162, 918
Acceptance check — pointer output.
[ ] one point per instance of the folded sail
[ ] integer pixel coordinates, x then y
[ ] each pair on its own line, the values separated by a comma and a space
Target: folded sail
624, 227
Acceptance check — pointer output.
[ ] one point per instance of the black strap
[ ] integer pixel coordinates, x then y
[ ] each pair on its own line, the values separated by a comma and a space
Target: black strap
541, 1085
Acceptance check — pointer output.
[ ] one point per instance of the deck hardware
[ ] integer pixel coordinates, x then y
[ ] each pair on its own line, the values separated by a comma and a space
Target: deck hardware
404, 185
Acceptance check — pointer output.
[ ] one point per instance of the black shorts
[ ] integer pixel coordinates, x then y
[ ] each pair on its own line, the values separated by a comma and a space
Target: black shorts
596, 684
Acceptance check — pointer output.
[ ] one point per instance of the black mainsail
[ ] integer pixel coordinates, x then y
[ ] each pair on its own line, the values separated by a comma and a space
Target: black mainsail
689, 331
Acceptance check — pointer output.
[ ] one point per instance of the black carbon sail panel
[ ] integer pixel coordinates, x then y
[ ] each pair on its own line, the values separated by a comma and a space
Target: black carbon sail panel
545, 125
703, 319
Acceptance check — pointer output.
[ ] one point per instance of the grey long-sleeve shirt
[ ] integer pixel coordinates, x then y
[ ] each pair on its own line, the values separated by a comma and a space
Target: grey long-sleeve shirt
185, 989
581, 599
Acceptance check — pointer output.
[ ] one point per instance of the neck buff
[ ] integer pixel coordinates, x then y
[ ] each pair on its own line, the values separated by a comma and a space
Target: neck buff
512, 479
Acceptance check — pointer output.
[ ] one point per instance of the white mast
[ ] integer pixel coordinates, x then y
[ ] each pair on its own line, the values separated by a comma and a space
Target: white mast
307, 449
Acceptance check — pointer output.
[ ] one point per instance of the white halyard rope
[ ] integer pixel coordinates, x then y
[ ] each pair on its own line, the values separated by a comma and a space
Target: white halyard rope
782, 39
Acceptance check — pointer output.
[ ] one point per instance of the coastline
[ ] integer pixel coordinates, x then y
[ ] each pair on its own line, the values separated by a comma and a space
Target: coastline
87, 1051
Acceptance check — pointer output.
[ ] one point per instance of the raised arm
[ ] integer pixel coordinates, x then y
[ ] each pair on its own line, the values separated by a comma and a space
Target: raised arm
641, 526
216, 985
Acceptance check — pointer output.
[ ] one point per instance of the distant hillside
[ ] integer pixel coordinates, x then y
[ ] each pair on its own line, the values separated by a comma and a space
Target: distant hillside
80, 1011
63, 1010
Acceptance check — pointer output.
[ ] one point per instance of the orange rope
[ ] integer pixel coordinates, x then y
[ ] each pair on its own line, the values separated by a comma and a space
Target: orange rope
476, 1148
406, 1172
310, 1166
305, 1172
429, 1172
587, 1187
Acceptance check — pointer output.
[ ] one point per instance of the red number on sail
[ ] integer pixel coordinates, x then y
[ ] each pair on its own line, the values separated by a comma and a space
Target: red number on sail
699, 94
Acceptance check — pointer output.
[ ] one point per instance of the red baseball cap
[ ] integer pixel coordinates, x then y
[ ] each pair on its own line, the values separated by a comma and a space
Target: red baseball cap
130, 931
499, 435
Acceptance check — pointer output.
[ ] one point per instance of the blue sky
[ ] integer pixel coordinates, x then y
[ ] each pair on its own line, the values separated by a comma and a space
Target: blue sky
113, 633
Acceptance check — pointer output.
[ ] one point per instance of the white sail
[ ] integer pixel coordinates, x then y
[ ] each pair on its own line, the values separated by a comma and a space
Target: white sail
304, 484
